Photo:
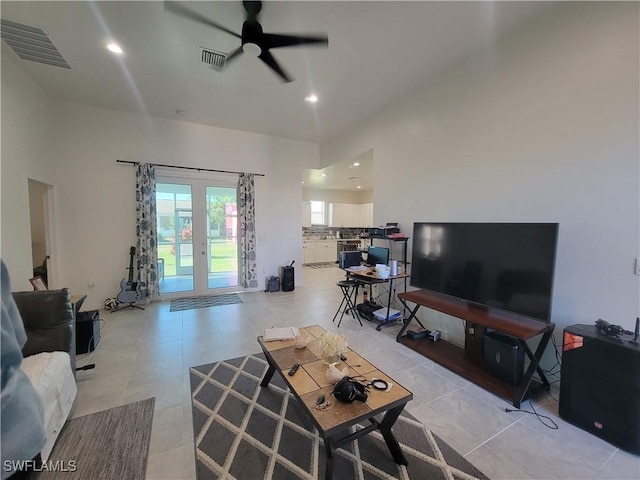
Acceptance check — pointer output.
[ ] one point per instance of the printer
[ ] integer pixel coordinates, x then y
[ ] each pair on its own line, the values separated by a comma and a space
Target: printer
388, 229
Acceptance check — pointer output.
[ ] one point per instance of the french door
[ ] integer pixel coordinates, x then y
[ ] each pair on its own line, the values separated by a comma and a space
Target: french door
197, 235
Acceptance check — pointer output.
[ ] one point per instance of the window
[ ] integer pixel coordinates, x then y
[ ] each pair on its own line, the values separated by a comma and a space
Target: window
317, 213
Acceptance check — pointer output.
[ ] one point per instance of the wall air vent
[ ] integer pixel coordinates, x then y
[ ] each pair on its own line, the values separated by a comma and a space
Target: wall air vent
213, 59
31, 43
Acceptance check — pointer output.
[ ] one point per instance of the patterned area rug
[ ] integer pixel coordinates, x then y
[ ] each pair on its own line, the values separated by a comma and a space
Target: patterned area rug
247, 432
321, 265
191, 303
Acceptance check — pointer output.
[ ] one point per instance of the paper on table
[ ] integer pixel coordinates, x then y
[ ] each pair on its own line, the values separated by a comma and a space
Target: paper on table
282, 333
382, 313
358, 268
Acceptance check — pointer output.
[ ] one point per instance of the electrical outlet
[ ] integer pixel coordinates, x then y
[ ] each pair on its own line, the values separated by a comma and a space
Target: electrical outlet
636, 270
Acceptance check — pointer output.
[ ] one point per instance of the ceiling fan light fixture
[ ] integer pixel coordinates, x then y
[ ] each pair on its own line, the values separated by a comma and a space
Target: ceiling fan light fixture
251, 49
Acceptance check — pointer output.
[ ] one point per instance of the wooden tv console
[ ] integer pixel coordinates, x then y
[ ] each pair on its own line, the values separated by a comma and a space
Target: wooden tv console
470, 366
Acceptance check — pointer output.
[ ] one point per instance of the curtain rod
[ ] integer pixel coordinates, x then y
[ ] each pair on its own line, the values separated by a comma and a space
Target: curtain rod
188, 168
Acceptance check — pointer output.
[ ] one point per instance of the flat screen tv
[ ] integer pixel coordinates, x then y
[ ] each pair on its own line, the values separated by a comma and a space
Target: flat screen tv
509, 266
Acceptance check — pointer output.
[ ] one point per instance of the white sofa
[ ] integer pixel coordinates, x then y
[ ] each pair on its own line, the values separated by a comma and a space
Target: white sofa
51, 375
49, 355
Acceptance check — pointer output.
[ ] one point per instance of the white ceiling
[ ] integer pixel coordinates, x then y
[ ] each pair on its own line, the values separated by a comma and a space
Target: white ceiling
378, 51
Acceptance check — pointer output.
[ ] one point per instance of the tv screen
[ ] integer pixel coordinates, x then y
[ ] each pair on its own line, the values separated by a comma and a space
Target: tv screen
503, 265
377, 255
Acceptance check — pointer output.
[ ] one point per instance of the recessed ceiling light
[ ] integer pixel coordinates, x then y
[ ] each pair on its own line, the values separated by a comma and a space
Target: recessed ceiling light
323, 174
311, 98
356, 164
114, 47
358, 186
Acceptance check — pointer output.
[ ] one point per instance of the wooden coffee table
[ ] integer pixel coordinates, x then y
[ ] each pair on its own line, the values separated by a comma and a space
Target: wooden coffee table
333, 423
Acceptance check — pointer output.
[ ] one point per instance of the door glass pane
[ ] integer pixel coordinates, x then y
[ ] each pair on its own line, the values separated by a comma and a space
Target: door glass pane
175, 237
222, 237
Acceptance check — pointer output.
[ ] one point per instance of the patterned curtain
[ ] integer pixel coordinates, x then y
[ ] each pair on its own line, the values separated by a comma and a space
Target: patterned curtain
146, 231
247, 230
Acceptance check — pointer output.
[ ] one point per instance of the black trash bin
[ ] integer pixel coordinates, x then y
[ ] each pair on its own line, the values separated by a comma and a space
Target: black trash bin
287, 278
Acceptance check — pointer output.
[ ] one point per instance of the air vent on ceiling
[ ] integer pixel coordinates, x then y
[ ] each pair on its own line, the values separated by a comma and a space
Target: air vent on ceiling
31, 43
213, 59
353, 178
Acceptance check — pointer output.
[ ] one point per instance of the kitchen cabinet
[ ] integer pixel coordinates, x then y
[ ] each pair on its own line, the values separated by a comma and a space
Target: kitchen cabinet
350, 215
326, 251
319, 251
335, 215
309, 251
366, 215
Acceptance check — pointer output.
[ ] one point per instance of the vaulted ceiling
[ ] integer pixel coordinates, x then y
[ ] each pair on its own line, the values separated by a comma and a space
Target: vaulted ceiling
378, 51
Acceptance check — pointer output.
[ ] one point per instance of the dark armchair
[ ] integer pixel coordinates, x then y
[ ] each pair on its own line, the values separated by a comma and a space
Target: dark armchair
48, 320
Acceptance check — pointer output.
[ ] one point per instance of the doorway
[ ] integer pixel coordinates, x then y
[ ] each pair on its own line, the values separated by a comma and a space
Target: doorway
197, 236
39, 220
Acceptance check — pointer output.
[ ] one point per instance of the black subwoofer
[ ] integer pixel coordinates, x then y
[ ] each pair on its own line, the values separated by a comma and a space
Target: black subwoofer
287, 278
600, 385
503, 357
87, 331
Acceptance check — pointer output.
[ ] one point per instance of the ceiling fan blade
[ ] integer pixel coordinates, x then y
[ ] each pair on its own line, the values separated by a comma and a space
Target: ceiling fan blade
274, 40
178, 9
267, 58
237, 52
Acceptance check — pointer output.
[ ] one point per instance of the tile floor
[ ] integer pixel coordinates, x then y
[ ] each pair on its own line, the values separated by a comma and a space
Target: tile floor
148, 353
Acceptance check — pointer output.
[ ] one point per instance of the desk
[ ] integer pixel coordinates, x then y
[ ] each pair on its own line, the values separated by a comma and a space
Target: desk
310, 382
370, 277
455, 358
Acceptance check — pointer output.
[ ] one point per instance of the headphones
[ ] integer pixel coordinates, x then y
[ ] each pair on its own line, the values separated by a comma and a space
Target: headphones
348, 389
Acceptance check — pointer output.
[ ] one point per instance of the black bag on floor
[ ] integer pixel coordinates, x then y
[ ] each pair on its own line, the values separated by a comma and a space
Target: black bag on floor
366, 309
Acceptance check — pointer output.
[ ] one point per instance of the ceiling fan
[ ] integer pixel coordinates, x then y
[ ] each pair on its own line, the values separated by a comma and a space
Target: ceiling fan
253, 38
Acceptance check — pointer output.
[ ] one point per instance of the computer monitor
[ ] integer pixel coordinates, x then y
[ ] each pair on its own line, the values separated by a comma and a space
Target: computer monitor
350, 259
377, 255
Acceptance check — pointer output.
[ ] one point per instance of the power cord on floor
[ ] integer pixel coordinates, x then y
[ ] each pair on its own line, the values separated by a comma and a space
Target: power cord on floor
541, 418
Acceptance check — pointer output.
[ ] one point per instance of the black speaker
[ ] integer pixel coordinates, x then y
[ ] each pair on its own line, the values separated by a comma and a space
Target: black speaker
503, 357
287, 278
600, 385
87, 331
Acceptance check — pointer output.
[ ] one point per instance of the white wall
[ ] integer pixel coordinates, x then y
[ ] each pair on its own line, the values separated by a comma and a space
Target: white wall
95, 209
26, 153
543, 128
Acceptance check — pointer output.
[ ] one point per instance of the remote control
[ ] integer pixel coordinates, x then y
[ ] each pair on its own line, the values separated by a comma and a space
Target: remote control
294, 369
